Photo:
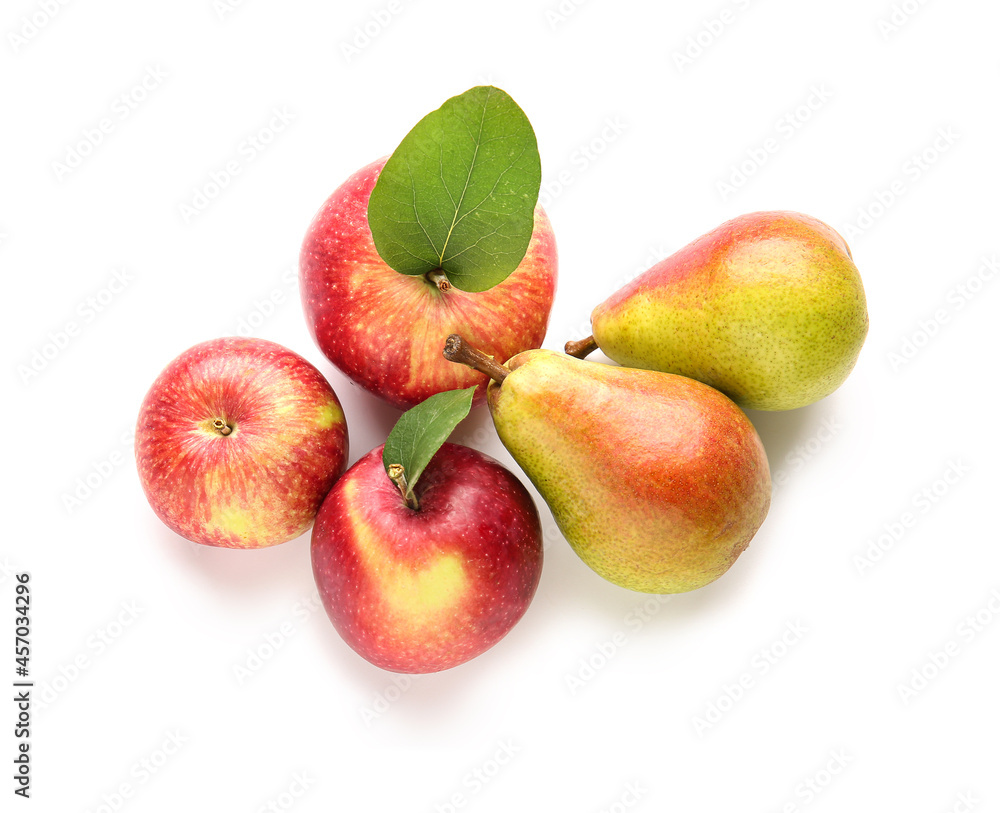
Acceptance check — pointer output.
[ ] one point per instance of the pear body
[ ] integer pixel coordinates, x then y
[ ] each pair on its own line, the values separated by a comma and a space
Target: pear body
768, 308
657, 481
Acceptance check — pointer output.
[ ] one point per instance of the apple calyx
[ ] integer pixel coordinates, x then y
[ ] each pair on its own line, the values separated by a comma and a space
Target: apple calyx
458, 350
582, 348
397, 474
221, 427
437, 278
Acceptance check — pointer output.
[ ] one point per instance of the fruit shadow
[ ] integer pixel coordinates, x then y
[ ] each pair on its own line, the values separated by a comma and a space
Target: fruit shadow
369, 421
571, 587
782, 431
426, 708
243, 576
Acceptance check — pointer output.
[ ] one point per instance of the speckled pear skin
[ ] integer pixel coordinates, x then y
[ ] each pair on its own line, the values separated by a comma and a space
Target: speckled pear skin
658, 482
769, 308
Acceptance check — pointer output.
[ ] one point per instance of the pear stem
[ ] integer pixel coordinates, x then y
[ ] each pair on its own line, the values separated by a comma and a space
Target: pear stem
582, 348
398, 475
458, 350
437, 277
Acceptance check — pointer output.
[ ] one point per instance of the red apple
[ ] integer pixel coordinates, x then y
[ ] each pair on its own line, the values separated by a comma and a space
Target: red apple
420, 590
385, 330
237, 443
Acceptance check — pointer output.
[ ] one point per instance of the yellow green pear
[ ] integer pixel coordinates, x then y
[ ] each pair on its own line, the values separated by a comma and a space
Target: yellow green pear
657, 481
768, 308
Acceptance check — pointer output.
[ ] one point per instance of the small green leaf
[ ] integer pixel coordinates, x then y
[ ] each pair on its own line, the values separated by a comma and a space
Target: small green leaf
459, 192
419, 433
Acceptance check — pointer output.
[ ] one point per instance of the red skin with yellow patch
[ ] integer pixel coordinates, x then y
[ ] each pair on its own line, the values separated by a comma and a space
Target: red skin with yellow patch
476, 522
385, 330
260, 484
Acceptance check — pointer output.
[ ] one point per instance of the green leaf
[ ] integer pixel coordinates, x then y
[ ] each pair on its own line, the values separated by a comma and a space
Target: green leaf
419, 433
459, 192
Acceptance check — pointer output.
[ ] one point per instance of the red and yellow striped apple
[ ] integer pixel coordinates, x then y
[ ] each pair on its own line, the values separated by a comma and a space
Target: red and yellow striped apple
425, 589
385, 330
237, 443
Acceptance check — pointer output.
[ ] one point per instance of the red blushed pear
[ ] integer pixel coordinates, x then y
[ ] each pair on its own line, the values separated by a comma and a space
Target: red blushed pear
427, 583
657, 481
768, 308
237, 443
384, 330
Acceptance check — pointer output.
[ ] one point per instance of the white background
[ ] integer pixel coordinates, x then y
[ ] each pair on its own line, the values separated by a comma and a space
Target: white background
848, 661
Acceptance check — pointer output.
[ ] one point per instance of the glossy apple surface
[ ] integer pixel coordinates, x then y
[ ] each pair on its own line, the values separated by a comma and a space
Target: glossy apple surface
385, 330
237, 443
424, 590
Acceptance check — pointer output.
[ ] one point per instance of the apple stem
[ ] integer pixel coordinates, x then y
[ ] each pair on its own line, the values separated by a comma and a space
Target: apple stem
438, 278
582, 348
221, 427
398, 475
456, 349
